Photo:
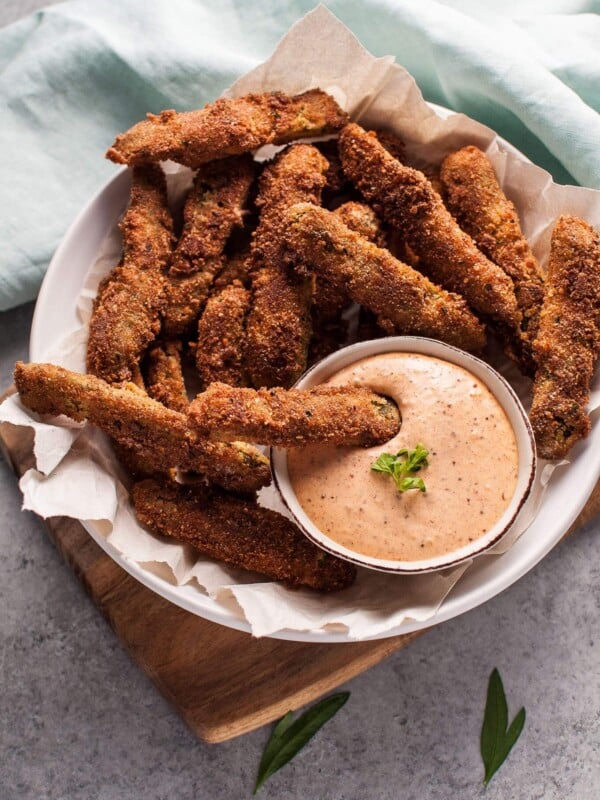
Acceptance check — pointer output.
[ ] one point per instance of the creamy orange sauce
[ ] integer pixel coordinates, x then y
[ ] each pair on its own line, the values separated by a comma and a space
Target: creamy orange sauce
470, 479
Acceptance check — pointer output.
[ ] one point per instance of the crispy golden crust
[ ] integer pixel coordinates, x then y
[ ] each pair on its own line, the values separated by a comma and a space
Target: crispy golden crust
396, 148
406, 199
133, 461
228, 127
278, 326
219, 352
392, 143
474, 196
186, 296
160, 437
212, 209
126, 315
240, 533
316, 239
330, 299
568, 341
342, 415
361, 219
237, 268
164, 375
147, 225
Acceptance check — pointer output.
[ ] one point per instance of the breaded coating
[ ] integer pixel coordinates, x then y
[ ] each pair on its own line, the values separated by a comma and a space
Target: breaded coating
317, 239
220, 348
278, 327
126, 315
330, 299
568, 341
406, 199
213, 208
186, 296
237, 268
343, 415
397, 148
392, 143
361, 219
160, 437
476, 199
240, 533
131, 460
164, 375
228, 127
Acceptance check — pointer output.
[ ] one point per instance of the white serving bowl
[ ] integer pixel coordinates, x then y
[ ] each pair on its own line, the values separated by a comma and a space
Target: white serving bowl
500, 389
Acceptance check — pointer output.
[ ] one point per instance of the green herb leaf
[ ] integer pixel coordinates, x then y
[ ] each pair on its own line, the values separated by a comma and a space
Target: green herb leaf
289, 737
412, 483
274, 743
385, 463
403, 466
496, 740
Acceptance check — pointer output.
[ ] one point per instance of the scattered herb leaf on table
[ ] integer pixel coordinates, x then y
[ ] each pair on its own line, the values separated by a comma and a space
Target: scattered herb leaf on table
497, 739
289, 736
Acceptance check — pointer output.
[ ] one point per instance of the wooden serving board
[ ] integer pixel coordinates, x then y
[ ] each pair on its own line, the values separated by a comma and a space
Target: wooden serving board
221, 681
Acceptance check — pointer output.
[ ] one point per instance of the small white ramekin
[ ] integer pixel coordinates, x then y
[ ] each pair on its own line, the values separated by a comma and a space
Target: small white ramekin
503, 393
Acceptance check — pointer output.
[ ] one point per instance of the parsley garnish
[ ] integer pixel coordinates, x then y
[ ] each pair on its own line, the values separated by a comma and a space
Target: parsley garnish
403, 466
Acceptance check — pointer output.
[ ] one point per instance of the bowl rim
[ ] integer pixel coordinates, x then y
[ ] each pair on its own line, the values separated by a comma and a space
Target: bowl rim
509, 402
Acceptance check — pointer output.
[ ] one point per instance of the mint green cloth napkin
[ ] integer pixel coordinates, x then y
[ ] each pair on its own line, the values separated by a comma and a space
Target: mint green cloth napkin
75, 74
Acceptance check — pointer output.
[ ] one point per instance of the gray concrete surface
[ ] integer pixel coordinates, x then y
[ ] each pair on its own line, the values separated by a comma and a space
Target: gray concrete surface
79, 721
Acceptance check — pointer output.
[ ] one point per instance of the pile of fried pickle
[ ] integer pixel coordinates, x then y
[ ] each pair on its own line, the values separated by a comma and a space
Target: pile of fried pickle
255, 283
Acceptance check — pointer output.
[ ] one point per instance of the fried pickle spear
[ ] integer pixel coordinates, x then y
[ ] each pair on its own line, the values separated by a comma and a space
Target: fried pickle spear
228, 127
330, 299
343, 415
568, 340
406, 199
219, 352
160, 437
240, 533
126, 315
278, 326
164, 375
475, 198
317, 239
213, 208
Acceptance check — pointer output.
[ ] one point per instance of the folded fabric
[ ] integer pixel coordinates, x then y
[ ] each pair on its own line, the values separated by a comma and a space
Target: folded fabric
76, 74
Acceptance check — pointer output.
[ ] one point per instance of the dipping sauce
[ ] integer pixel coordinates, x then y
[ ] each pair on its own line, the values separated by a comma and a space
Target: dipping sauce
470, 480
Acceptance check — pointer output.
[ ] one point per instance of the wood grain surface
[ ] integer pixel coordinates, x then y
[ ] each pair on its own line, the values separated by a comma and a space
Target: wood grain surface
222, 682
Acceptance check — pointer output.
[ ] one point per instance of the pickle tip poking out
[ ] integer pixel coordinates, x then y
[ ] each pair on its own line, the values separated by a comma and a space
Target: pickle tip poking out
334, 415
